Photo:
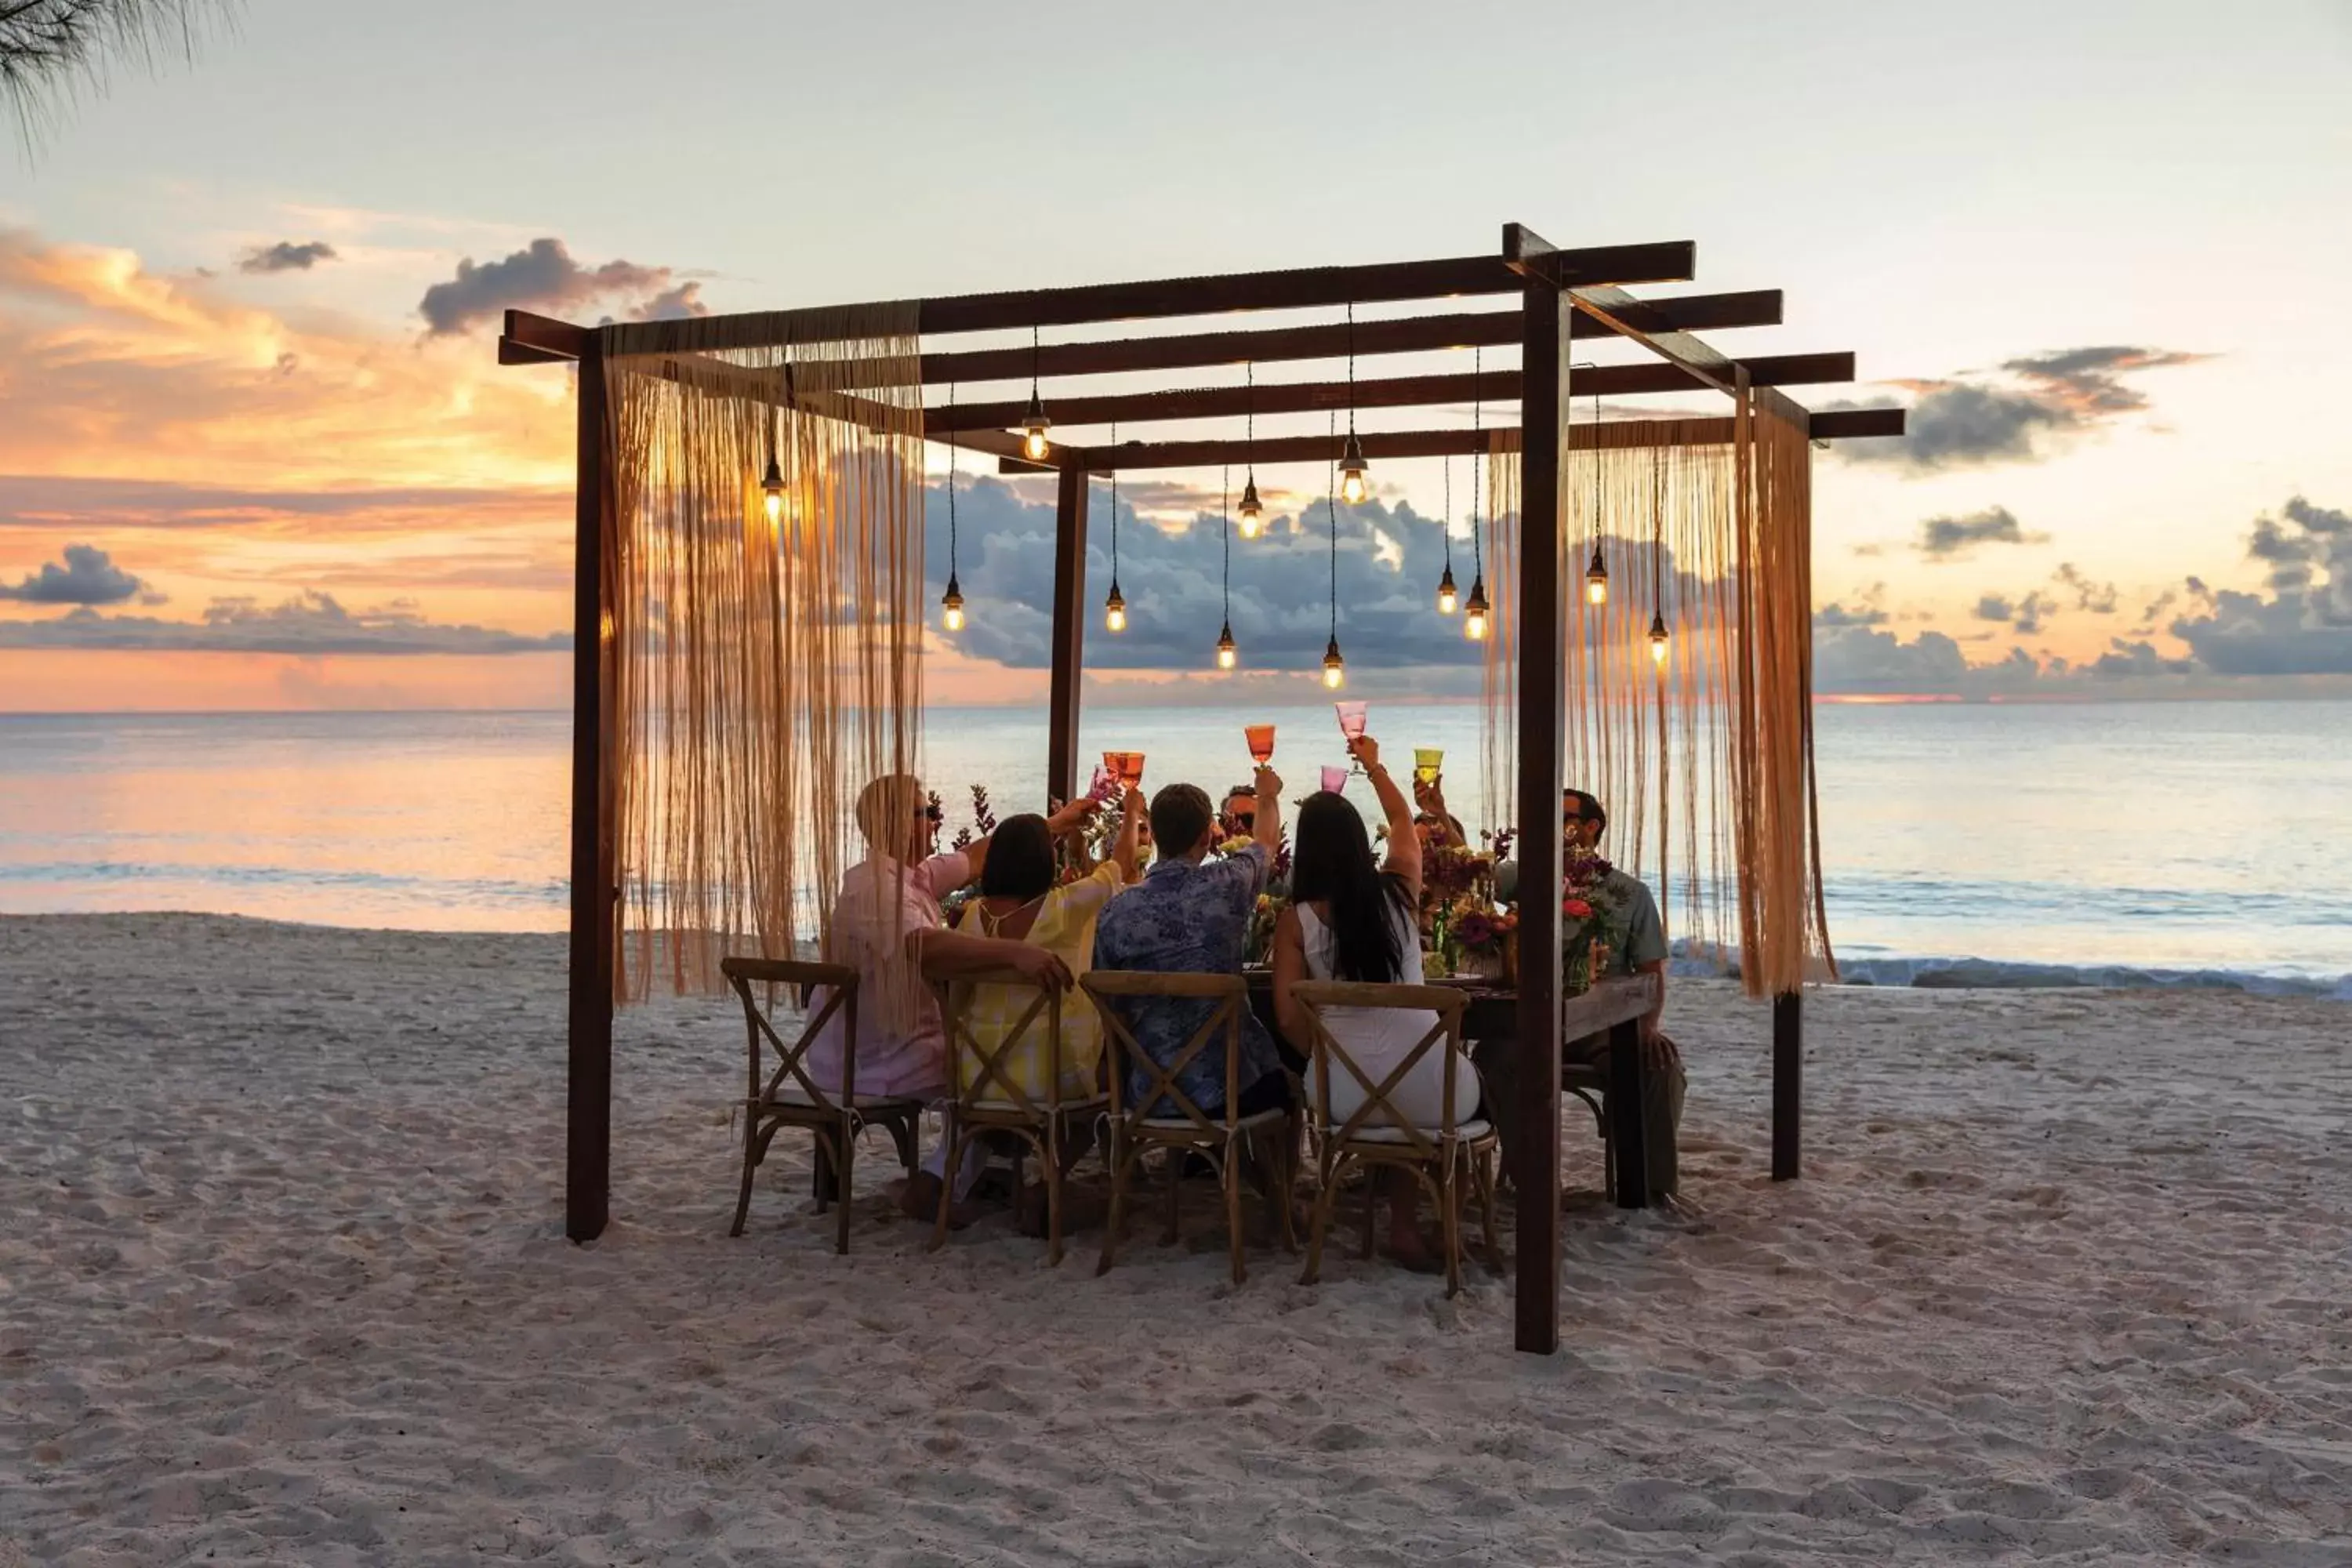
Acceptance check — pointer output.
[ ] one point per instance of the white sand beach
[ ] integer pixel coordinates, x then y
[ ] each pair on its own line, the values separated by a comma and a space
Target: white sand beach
282, 1280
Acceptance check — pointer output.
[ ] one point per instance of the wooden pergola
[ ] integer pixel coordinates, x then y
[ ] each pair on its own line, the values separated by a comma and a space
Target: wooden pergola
1562, 295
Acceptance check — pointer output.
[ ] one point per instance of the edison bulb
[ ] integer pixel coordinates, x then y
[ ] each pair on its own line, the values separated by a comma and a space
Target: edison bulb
1250, 524
1473, 626
1445, 602
1115, 618
1334, 675
1033, 443
1352, 489
1658, 649
952, 618
1596, 590
1226, 657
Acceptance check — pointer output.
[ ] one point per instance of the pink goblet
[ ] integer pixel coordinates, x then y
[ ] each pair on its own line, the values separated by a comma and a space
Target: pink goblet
1334, 779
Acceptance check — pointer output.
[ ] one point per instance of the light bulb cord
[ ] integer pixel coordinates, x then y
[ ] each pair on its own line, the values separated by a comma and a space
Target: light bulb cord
1114, 505
1331, 511
1352, 367
1445, 528
951, 484
1033, 364
1658, 535
1249, 437
1477, 413
1225, 569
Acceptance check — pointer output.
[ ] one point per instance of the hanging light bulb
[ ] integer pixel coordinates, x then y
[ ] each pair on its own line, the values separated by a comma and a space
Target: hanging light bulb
1446, 597
773, 486
1115, 609
1335, 669
1596, 580
1252, 511
1227, 653
1658, 640
951, 605
1353, 485
1474, 613
1034, 423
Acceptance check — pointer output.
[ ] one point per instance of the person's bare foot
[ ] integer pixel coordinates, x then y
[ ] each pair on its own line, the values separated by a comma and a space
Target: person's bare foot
919, 1200
1414, 1253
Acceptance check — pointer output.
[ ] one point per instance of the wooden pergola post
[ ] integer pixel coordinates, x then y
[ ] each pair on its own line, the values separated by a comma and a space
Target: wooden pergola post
1069, 644
588, 1095
1541, 612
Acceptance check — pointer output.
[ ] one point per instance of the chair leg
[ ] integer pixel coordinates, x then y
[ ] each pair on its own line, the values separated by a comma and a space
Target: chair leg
1327, 1193
751, 1164
1485, 1174
1232, 1181
841, 1207
1372, 1201
1449, 1204
1287, 1178
1117, 1219
1053, 1174
1176, 1153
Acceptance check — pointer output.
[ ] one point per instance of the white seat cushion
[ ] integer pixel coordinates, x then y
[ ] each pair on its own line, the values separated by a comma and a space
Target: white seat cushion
1069, 1107
1379, 1134
793, 1097
1186, 1124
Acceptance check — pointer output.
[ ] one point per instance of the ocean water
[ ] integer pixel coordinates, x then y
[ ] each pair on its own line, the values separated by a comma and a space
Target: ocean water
2115, 844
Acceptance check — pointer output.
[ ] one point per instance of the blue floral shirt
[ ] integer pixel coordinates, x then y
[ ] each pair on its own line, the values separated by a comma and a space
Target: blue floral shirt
1183, 918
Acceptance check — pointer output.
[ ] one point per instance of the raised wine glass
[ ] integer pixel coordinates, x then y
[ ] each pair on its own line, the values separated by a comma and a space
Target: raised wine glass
1261, 743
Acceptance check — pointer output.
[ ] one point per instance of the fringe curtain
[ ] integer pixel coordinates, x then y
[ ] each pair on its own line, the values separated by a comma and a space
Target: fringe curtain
1705, 763
763, 672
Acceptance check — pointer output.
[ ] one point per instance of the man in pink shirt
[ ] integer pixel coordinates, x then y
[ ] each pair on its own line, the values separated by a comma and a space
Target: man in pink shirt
887, 923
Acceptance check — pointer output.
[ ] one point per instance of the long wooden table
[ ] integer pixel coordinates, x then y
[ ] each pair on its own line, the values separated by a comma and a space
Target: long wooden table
1613, 1008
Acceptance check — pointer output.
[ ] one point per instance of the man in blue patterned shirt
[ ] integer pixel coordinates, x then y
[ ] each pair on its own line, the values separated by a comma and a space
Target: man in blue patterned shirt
1190, 915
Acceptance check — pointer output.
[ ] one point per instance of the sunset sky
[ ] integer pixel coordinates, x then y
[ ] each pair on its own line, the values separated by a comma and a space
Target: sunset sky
255, 452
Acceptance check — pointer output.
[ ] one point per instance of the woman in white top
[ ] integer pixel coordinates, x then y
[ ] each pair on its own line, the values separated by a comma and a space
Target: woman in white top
1351, 919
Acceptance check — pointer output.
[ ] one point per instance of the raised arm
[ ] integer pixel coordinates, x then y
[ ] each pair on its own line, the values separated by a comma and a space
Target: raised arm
1266, 829
1404, 843
1429, 799
1130, 827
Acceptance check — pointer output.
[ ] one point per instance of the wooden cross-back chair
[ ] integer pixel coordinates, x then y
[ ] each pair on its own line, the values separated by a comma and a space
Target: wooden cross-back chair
790, 1097
985, 1095
1379, 1133
1165, 1117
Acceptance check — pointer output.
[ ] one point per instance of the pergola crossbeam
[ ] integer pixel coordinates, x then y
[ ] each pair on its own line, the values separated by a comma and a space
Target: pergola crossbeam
1391, 391
1451, 441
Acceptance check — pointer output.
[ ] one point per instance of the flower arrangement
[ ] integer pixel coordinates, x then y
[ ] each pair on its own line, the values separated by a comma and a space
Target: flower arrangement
1257, 939
1486, 933
1591, 917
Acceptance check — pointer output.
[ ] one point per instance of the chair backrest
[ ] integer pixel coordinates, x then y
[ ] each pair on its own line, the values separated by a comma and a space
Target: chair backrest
1105, 987
840, 981
1448, 1002
981, 1074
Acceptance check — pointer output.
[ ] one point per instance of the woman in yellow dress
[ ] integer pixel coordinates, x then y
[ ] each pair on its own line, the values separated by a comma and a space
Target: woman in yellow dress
1020, 901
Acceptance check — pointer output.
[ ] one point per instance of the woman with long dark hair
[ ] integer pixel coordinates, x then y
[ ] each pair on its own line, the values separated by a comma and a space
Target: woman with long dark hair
1021, 900
1352, 918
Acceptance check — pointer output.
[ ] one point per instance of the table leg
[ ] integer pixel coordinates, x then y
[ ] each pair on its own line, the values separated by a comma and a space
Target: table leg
1628, 1140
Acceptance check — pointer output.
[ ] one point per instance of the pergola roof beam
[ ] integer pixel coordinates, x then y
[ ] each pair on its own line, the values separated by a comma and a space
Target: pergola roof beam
1455, 441
1408, 335
1306, 288
1397, 392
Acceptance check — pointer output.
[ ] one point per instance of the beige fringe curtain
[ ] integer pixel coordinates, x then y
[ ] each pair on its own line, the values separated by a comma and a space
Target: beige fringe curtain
1705, 763
763, 672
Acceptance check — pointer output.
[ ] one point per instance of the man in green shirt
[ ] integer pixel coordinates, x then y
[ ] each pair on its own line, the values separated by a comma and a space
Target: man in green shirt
1642, 951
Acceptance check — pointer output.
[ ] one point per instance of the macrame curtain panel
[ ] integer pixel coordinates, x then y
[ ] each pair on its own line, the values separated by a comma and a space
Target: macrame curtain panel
1705, 764
762, 672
